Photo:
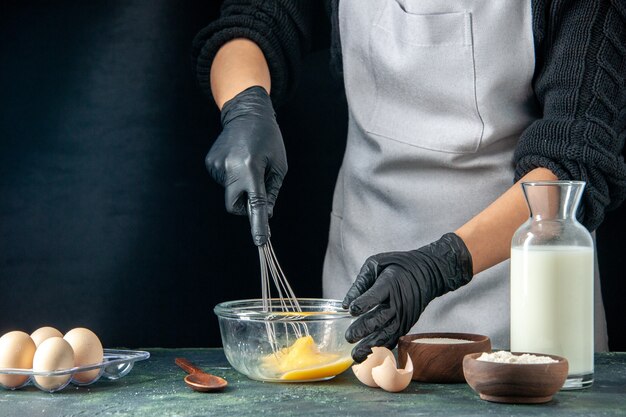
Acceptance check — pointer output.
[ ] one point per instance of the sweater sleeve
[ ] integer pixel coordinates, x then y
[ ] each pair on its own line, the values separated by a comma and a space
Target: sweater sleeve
281, 28
580, 85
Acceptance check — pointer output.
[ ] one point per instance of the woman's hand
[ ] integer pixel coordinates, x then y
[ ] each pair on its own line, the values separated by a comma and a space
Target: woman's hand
248, 158
393, 289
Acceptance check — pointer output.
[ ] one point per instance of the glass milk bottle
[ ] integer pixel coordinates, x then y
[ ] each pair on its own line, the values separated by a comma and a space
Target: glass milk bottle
552, 272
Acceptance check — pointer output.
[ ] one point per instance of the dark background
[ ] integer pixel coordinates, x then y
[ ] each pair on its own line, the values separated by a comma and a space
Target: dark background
107, 217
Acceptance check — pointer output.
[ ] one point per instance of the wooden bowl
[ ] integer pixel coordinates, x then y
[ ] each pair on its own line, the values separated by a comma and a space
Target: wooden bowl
515, 382
440, 362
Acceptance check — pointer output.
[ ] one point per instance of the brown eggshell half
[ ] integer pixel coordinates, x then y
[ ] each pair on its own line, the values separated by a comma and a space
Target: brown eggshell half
363, 371
391, 379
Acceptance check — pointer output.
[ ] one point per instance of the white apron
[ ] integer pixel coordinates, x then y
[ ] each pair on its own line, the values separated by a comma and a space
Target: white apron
439, 92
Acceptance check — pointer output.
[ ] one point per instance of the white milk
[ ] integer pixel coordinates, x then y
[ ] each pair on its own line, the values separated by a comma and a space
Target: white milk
552, 303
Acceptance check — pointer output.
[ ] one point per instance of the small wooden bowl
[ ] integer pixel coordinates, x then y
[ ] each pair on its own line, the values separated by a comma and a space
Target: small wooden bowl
515, 382
440, 362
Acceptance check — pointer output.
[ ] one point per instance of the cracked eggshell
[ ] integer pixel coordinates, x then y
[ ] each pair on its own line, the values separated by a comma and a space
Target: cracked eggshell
363, 371
391, 379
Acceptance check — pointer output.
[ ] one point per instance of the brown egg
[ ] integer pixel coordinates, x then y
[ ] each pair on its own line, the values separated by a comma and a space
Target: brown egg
53, 354
87, 351
16, 351
44, 333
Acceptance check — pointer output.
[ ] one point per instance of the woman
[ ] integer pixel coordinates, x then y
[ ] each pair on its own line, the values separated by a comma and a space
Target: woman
450, 103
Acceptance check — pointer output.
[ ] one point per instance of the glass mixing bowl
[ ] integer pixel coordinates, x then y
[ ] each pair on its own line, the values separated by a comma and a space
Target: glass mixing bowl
308, 346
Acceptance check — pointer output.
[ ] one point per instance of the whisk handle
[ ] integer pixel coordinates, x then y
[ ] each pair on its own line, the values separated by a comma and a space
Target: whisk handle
253, 221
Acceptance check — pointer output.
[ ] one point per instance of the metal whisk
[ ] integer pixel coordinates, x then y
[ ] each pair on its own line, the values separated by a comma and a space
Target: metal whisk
287, 301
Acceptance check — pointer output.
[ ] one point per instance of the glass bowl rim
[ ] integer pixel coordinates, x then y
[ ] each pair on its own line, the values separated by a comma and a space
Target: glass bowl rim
228, 309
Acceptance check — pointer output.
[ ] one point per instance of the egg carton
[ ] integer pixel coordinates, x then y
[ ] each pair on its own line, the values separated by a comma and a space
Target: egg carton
115, 364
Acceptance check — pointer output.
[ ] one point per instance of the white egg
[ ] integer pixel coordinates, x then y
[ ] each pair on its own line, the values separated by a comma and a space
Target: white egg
53, 354
391, 379
16, 351
44, 333
363, 371
87, 351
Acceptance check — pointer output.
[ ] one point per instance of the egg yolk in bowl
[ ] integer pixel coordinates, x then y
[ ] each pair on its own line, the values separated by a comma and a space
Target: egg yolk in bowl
303, 361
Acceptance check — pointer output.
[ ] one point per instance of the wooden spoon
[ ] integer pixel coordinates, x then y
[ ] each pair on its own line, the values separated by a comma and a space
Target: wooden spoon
198, 380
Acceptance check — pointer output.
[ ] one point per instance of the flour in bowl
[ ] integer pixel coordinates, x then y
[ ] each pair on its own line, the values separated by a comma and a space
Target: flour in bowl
507, 357
440, 340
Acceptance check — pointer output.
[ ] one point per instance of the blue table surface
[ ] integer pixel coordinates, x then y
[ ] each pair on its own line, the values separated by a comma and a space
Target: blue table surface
155, 388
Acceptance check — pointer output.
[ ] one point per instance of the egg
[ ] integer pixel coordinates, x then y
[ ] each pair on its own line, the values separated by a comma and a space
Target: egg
304, 361
87, 351
53, 354
16, 351
44, 333
363, 371
391, 379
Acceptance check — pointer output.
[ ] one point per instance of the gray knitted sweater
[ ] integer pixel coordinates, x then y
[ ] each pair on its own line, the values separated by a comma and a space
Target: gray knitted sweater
579, 82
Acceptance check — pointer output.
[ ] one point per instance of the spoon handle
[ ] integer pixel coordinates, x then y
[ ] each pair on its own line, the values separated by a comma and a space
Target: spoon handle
189, 367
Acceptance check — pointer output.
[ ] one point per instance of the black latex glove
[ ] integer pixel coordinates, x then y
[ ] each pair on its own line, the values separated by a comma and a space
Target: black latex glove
248, 158
400, 285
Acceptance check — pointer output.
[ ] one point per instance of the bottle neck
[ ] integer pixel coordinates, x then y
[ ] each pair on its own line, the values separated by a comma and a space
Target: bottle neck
553, 200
